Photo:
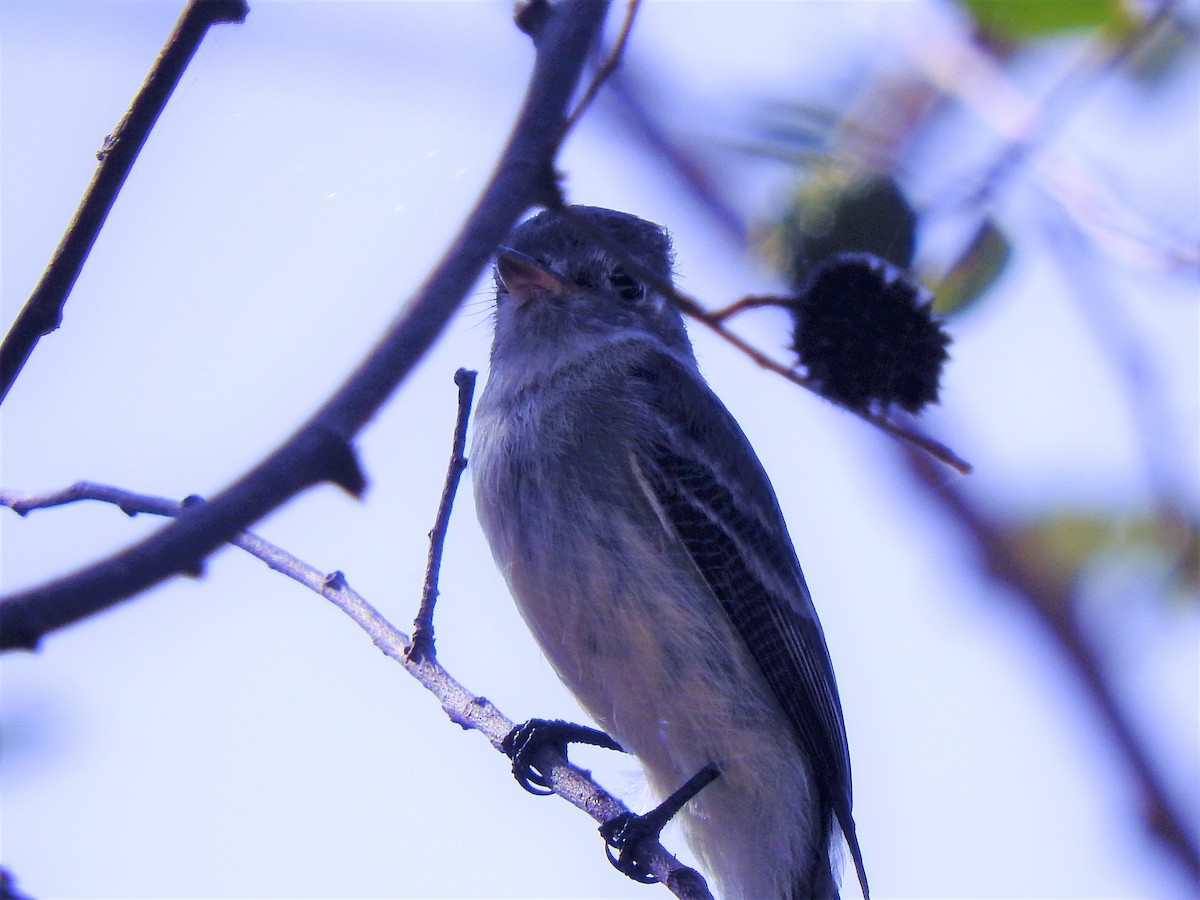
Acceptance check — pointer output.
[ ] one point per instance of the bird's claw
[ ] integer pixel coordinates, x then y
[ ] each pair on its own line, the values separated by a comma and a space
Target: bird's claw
525, 741
627, 832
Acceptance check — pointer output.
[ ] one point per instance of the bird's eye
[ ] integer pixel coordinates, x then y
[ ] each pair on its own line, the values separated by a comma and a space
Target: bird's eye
626, 287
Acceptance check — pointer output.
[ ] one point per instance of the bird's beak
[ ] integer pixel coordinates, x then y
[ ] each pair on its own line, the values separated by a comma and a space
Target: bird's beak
525, 278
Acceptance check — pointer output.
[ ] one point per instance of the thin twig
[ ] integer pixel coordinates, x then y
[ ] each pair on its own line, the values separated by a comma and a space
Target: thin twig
321, 449
422, 637
43, 311
464, 708
611, 60
678, 157
691, 307
753, 301
1134, 365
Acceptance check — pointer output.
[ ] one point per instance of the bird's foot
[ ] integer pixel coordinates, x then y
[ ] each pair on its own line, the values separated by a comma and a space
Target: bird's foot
523, 744
628, 831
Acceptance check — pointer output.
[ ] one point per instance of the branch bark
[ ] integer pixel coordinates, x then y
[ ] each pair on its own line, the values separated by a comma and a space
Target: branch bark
422, 644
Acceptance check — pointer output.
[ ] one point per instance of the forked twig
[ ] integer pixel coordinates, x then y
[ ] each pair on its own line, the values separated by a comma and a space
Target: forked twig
737, 307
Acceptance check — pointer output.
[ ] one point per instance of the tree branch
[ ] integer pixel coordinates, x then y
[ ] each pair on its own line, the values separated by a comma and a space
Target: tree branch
43, 311
464, 708
1053, 607
321, 449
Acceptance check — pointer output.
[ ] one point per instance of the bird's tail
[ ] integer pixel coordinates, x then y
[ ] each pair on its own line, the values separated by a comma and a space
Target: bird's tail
820, 882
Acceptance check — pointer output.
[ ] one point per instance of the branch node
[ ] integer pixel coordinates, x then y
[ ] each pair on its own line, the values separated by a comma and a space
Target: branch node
17, 632
687, 883
342, 465
531, 16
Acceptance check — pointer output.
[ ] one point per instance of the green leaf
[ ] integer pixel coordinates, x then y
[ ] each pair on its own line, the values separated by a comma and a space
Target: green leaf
1017, 20
974, 272
841, 208
1059, 546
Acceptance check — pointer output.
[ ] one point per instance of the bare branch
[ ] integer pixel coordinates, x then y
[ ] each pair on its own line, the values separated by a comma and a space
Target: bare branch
321, 449
960, 70
1134, 365
42, 312
1065, 99
463, 707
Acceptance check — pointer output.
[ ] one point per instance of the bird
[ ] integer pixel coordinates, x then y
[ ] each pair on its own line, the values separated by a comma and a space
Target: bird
647, 552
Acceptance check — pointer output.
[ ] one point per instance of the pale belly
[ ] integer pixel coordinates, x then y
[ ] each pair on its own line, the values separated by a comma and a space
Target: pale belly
648, 652
634, 631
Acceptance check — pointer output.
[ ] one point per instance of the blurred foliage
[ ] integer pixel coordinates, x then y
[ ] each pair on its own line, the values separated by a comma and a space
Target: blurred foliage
1017, 20
842, 208
976, 270
854, 169
793, 131
1165, 50
1060, 546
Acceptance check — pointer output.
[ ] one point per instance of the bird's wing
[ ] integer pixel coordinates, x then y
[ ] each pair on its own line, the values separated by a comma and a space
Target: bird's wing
710, 487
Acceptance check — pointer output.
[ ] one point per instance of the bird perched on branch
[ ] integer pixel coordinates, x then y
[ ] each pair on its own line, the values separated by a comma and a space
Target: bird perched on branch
646, 550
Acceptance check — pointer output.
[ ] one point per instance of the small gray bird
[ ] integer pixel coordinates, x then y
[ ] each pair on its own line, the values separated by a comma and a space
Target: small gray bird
645, 549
